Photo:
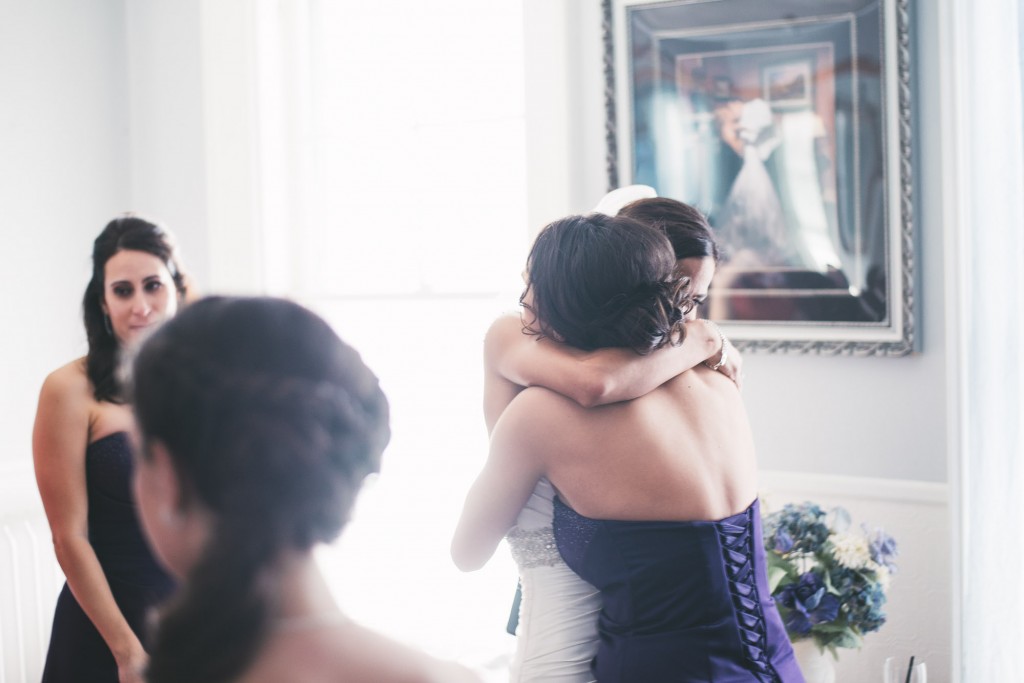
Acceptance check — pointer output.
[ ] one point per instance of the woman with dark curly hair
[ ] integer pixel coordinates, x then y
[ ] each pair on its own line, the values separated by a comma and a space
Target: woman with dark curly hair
258, 427
656, 497
83, 462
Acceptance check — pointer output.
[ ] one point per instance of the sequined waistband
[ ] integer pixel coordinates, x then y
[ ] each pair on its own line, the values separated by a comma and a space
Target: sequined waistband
533, 547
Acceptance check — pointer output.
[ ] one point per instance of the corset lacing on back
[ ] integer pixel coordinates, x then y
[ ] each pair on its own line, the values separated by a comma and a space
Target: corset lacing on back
737, 552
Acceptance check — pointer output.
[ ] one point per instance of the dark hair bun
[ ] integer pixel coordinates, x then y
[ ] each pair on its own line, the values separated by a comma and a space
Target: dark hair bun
600, 281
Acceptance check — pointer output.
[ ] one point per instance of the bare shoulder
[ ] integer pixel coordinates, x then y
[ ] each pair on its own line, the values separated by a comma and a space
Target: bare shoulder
541, 398
507, 322
538, 405
67, 390
69, 378
535, 416
506, 328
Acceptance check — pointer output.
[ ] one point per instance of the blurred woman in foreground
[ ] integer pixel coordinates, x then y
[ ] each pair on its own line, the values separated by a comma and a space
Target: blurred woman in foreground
258, 426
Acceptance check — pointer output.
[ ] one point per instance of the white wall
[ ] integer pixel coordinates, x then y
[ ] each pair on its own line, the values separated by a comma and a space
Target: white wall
866, 417
64, 172
102, 113
168, 141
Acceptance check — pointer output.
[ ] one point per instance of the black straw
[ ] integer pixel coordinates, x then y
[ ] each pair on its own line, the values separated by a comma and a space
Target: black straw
910, 669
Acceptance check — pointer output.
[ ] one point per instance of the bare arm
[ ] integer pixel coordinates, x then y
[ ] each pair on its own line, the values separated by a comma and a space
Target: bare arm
595, 377
499, 492
59, 440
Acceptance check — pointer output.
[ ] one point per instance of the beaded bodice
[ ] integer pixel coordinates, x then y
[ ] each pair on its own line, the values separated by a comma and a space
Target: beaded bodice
533, 547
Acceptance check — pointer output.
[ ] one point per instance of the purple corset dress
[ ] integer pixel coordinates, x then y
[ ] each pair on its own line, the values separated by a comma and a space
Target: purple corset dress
685, 602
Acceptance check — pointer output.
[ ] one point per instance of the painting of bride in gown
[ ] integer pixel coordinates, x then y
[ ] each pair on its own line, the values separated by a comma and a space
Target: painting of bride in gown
776, 122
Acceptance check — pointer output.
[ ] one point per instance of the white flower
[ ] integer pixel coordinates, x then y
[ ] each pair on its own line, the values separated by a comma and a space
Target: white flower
850, 550
882, 574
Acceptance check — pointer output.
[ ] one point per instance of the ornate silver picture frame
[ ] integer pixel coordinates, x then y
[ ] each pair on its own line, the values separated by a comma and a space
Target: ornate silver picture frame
788, 124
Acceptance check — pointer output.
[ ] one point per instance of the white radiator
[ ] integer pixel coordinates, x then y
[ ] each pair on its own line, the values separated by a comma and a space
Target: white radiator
30, 577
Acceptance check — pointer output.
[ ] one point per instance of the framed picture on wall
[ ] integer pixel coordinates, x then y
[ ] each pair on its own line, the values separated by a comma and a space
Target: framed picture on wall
787, 85
788, 124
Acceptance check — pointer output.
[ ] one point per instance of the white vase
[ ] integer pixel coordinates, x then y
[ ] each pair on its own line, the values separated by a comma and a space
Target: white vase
816, 665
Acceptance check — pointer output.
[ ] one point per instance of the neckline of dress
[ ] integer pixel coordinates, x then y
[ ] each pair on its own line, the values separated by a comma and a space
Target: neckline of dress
121, 432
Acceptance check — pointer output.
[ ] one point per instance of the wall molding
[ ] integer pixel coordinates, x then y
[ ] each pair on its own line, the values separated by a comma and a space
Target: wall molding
867, 488
18, 493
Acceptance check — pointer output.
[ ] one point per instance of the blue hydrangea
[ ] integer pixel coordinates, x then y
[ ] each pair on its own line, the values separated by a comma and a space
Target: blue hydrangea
781, 541
807, 603
883, 550
820, 594
802, 527
865, 608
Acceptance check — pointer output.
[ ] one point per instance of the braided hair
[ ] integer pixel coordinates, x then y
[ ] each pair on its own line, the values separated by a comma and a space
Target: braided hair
272, 423
127, 232
600, 281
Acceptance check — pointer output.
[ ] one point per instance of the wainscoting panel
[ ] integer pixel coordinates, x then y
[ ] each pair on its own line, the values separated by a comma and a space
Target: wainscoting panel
919, 606
30, 577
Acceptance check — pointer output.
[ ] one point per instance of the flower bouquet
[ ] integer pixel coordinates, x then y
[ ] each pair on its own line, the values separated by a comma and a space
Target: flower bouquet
828, 581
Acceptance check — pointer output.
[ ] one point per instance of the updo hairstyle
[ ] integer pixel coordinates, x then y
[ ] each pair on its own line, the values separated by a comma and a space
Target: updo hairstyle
599, 281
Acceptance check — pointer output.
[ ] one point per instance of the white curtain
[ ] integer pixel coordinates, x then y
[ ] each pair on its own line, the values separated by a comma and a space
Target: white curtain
987, 264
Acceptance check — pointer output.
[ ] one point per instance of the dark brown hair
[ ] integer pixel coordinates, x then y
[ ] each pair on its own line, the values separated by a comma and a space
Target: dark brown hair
686, 227
599, 281
272, 423
126, 232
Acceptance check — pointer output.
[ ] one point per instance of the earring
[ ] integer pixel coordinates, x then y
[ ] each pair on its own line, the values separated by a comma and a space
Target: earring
106, 325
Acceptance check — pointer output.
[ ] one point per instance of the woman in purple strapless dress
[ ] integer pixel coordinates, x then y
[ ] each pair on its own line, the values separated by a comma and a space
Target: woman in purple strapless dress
657, 497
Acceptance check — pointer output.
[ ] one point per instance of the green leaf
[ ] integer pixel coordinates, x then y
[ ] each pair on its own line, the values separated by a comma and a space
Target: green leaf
775, 576
849, 640
827, 577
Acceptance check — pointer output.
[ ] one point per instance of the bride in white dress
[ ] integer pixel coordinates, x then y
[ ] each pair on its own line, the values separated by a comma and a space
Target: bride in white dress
557, 633
556, 637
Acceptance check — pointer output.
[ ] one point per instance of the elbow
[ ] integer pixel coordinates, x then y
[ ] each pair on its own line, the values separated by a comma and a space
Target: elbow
64, 547
465, 564
595, 393
466, 558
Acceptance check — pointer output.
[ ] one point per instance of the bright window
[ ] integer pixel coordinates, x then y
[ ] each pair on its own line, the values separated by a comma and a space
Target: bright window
411, 188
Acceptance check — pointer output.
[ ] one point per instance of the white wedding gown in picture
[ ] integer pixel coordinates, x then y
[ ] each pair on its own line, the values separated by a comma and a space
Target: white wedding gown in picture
557, 634
752, 218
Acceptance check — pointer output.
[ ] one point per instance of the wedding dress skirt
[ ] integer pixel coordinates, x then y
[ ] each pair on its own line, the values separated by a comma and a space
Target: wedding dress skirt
556, 639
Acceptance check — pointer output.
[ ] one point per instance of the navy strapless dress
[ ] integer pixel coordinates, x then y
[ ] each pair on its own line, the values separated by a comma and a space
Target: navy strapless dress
685, 602
77, 651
